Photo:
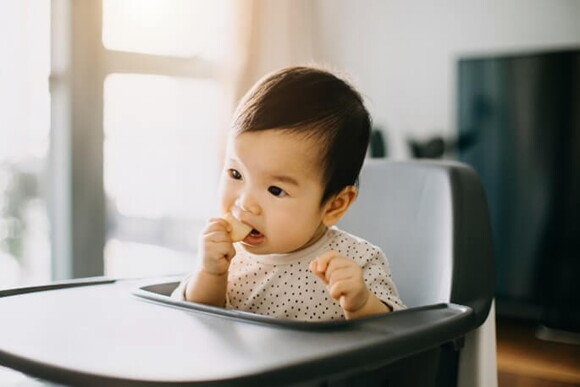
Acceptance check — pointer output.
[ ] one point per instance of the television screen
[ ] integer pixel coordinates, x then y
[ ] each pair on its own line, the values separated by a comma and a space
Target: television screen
519, 127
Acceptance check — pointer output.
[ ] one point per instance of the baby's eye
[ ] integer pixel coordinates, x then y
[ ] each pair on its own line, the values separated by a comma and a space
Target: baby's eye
234, 174
277, 191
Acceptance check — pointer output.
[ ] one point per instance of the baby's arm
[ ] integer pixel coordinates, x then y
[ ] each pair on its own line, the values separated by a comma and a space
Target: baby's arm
209, 284
344, 280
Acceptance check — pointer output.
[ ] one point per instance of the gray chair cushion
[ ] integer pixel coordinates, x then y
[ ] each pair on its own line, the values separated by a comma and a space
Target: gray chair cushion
431, 220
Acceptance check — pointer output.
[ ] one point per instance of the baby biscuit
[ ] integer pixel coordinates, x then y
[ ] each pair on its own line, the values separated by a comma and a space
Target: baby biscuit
239, 230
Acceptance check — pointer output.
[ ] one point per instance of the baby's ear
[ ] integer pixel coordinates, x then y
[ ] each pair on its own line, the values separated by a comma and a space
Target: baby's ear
337, 205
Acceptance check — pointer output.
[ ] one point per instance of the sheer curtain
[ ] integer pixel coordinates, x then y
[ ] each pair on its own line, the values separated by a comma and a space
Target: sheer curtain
269, 35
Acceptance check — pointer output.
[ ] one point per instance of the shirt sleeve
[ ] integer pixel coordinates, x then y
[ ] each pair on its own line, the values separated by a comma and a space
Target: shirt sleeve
379, 280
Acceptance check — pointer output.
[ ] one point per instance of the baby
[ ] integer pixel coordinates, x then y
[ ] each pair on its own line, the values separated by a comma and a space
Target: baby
291, 170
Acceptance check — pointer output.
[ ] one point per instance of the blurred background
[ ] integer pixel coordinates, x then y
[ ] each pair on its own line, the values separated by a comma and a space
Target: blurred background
113, 115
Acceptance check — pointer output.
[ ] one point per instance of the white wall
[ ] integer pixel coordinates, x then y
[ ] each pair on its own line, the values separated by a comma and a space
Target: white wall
402, 53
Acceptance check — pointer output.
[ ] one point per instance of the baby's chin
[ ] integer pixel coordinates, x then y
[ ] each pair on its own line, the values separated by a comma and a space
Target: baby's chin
259, 250
277, 250
266, 249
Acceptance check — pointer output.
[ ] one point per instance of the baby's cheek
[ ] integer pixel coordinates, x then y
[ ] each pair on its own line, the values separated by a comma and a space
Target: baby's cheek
226, 200
287, 233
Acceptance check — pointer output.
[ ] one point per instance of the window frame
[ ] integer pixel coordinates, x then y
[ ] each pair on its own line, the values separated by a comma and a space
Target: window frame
79, 66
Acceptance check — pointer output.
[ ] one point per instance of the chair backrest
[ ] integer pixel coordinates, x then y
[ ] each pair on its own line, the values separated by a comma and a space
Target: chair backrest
431, 220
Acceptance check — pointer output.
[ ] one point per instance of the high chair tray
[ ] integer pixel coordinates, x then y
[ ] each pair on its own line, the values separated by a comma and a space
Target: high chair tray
129, 332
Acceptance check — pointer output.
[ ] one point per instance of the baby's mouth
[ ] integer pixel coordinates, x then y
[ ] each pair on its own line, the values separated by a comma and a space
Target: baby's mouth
255, 233
254, 238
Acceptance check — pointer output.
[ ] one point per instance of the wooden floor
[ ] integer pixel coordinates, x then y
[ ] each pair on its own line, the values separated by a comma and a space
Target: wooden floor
525, 361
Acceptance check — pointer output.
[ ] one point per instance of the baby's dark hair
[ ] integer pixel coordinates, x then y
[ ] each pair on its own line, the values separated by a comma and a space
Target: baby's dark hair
319, 105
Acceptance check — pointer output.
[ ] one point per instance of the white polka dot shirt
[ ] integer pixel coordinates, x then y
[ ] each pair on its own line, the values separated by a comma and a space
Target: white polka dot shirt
282, 285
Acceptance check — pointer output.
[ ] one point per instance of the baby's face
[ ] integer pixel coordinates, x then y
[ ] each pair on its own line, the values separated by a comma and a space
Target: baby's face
272, 181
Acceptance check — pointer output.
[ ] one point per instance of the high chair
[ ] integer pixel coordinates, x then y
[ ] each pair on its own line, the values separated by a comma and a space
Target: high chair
431, 220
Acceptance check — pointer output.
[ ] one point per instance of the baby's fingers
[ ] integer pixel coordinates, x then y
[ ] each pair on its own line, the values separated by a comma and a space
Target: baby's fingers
349, 294
217, 224
217, 237
216, 231
341, 291
339, 265
319, 266
321, 263
314, 268
342, 273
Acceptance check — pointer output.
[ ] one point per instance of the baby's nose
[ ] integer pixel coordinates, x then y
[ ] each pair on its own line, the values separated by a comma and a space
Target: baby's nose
246, 204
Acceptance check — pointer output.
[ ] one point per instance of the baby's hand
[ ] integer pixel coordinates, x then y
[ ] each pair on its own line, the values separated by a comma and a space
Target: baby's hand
344, 280
216, 247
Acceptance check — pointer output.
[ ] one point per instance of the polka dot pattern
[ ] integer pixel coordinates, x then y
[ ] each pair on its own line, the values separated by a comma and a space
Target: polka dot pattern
289, 289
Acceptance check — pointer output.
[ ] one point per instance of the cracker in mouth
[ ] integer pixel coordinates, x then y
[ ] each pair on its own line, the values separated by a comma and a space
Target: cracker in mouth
239, 230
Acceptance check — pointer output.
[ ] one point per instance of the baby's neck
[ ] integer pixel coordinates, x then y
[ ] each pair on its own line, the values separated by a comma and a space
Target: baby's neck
319, 233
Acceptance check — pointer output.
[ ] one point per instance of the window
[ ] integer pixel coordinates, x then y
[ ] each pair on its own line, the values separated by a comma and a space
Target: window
112, 118
162, 99
160, 169
25, 247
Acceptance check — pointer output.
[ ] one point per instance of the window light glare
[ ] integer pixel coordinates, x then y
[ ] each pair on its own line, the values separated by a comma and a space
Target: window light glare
160, 134
180, 28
